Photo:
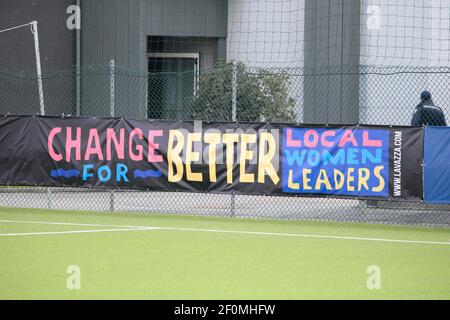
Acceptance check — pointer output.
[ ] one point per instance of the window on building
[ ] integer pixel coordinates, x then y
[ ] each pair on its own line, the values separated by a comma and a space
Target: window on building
174, 66
172, 82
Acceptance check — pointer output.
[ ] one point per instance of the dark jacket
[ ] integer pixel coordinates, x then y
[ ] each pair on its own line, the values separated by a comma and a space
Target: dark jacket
428, 114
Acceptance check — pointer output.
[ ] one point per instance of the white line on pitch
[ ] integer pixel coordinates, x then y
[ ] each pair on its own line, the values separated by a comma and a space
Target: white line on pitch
72, 232
307, 235
70, 224
143, 228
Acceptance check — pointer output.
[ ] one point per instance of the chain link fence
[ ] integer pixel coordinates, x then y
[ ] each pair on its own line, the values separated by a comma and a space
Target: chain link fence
228, 92
364, 94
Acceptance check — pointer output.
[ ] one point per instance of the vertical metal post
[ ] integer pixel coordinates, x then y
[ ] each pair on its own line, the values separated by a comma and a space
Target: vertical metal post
49, 198
233, 91
111, 201
78, 90
78, 66
233, 205
34, 30
342, 59
112, 88
233, 118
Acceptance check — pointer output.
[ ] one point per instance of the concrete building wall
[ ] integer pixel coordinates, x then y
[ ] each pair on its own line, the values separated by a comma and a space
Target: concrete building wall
110, 29
269, 34
119, 30
57, 50
331, 49
266, 33
395, 33
56, 40
330, 37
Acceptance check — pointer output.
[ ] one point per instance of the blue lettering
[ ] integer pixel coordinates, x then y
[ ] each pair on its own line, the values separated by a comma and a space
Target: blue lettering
352, 156
121, 172
295, 157
313, 158
338, 158
103, 169
87, 175
367, 155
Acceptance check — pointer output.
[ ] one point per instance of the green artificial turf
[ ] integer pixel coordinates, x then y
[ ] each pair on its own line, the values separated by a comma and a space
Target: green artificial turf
205, 264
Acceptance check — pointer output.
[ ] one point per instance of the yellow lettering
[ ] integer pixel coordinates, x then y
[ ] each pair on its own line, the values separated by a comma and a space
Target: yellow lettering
213, 139
291, 183
363, 177
377, 173
323, 179
246, 154
306, 180
173, 155
192, 156
265, 159
339, 179
350, 179
229, 139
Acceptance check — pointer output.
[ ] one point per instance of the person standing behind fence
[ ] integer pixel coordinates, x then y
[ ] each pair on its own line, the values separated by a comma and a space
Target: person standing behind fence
427, 113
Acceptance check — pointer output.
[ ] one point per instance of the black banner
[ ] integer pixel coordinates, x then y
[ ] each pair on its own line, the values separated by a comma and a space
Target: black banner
247, 158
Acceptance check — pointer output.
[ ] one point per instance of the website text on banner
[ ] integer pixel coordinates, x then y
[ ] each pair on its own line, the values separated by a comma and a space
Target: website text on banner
246, 158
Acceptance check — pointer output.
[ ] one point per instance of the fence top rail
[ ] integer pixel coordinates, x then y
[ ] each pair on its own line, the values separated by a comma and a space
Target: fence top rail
297, 124
291, 70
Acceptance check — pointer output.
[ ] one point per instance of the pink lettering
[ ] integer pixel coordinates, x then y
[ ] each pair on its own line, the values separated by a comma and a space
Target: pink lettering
367, 142
152, 146
93, 149
323, 138
139, 148
311, 143
119, 144
348, 137
73, 144
291, 142
55, 156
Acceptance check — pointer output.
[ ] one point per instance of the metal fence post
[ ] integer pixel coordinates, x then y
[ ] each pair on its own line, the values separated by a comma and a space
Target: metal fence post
233, 118
78, 63
112, 80
233, 205
233, 91
34, 30
111, 201
49, 198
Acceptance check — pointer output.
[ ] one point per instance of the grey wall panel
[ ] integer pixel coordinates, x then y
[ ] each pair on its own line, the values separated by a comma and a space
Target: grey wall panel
118, 29
56, 41
94, 83
57, 50
112, 30
199, 18
221, 49
122, 24
331, 47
